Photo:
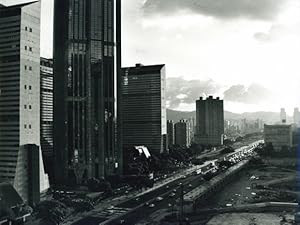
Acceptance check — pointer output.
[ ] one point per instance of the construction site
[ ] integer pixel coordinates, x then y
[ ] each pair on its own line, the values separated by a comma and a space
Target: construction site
263, 193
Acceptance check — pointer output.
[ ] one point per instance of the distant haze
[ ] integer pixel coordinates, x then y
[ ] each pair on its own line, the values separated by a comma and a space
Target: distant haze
267, 117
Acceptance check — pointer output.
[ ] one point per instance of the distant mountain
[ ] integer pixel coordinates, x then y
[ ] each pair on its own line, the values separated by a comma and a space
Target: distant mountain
267, 117
178, 115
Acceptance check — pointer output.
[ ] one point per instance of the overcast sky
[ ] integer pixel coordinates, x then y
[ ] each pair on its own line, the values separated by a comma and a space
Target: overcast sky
246, 52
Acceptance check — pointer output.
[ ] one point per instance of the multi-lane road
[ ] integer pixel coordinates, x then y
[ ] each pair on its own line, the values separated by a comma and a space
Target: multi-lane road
142, 207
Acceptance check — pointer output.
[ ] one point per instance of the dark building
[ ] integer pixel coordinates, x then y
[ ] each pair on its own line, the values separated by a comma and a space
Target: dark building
84, 89
182, 133
46, 71
171, 133
209, 121
143, 107
20, 99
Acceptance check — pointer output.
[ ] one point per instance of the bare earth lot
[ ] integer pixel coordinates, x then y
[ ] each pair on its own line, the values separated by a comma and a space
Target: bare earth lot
259, 184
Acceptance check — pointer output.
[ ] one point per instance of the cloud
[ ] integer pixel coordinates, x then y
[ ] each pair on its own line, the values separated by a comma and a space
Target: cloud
274, 33
224, 9
254, 94
181, 91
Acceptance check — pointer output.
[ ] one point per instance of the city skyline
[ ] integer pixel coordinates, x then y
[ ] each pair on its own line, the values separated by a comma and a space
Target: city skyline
264, 79
85, 140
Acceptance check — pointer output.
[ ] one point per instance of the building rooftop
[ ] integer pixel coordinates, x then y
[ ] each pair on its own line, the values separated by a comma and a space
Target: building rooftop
18, 5
141, 69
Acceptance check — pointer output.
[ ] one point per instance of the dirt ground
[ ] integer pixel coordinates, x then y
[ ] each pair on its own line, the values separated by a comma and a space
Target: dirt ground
248, 188
248, 219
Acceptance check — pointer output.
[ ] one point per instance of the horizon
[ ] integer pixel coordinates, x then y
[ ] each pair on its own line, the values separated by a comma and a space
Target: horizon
289, 115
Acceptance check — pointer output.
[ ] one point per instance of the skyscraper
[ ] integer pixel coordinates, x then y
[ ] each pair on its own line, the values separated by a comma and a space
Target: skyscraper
209, 121
84, 89
46, 79
182, 133
144, 107
20, 153
282, 115
171, 133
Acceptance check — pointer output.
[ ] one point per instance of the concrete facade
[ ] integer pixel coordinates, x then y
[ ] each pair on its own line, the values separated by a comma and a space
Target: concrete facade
46, 79
279, 136
171, 133
182, 133
20, 96
209, 121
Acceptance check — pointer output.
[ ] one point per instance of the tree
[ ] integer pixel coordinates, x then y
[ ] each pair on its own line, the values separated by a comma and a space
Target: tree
93, 184
54, 212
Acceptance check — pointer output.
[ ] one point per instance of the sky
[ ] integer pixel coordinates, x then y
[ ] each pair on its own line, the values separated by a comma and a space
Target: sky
246, 52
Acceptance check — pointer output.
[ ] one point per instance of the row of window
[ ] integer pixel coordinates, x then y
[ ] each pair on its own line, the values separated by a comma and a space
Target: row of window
28, 67
29, 107
29, 48
28, 29
29, 87
25, 126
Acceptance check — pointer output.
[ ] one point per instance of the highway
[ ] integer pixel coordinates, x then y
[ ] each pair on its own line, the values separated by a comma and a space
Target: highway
150, 205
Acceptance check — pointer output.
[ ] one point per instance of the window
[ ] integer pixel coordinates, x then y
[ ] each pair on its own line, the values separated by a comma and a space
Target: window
25, 67
30, 49
25, 106
26, 28
29, 106
30, 68
29, 87
30, 29
29, 126
25, 126
25, 47
25, 87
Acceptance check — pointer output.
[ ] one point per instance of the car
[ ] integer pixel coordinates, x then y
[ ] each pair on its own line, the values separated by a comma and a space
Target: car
151, 205
159, 199
172, 194
147, 204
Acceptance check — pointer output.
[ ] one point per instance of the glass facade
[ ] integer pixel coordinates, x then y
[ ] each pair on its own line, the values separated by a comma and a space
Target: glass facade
85, 64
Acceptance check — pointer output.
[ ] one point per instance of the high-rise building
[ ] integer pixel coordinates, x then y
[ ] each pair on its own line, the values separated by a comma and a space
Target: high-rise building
280, 136
296, 116
209, 121
84, 89
171, 133
182, 133
192, 123
20, 153
282, 115
144, 107
46, 79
